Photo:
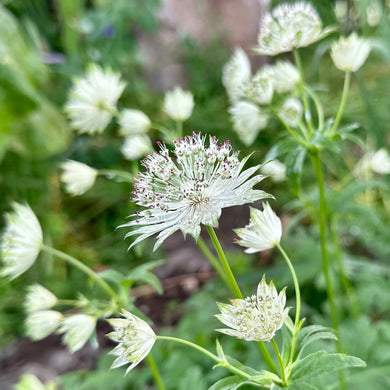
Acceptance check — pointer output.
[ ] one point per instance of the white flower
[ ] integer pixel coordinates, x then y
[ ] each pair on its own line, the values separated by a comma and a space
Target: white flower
255, 318
178, 104
136, 146
77, 177
39, 324
133, 122
78, 329
289, 26
275, 169
235, 73
349, 54
39, 298
135, 340
21, 241
92, 100
191, 190
260, 87
380, 162
248, 120
285, 76
263, 232
291, 112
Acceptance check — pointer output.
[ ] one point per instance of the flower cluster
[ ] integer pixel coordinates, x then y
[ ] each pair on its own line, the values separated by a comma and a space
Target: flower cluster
255, 318
191, 189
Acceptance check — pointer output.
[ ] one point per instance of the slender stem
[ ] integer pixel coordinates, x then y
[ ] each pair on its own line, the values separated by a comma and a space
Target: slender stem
179, 129
319, 108
223, 363
212, 259
307, 115
155, 373
273, 342
236, 290
343, 102
68, 302
114, 173
82, 267
161, 129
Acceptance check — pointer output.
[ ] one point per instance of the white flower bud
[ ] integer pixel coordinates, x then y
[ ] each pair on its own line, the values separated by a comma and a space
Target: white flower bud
39, 298
39, 324
77, 177
291, 112
178, 104
136, 146
275, 169
133, 122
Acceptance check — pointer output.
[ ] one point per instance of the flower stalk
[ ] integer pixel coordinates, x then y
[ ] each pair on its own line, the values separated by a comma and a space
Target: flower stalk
343, 102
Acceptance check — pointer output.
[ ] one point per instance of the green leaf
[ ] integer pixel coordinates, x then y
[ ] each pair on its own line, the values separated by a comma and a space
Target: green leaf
282, 147
286, 347
294, 165
298, 386
248, 370
142, 274
321, 362
229, 383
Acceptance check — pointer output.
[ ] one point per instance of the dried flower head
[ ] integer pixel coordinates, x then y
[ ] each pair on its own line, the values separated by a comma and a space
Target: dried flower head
263, 232
275, 169
135, 340
39, 298
178, 104
136, 146
255, 318
291, 112
39, 324
248, 120
133, 122
77, 330
289, 26
349, 54
235, 73
93, 99
192, 189
21, 241
77, 177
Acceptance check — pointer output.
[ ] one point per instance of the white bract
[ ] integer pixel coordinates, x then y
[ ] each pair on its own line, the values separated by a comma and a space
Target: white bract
39, 324
248, 120
78, 329
21, 241
255, 318
263, 232
92, 100
275, 169
178, 104
133, 122
191, 189
235, 73
289, 26
39, 298
77, 177
291, 112
135, 340
349, 54
136, 146
285, 76
380, 162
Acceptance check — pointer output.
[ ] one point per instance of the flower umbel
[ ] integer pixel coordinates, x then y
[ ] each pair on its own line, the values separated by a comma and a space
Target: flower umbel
191, 189
93, 98
263, 232
178, 104
255, 318
21, 241
289, 26
39, 298
135, 340
77, 177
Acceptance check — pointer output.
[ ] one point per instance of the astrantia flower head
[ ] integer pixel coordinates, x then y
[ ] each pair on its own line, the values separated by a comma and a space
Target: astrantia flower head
275, 169
77, 330
259, 88
248, 120
20, 242
136, 146
380, 162
285, 76
93, 99
77, 177
263, 232
39, 324
235, 73
191, 189
255, 318
291, 112
349, 54
289, 26
133, 122
39, 298
178, 104
135, 340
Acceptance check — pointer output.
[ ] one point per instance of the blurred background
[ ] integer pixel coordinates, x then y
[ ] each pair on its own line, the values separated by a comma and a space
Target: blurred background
156, 45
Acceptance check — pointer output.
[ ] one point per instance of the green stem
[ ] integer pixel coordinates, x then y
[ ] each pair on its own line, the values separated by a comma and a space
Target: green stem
68, 302
236, 290
273, 342
155, 373
161, 129
179, 129
213, 260
82, 267
343, 102
307, 113
114, 173
223, 363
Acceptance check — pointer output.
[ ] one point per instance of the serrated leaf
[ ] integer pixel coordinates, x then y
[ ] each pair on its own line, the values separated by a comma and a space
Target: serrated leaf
320, 362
